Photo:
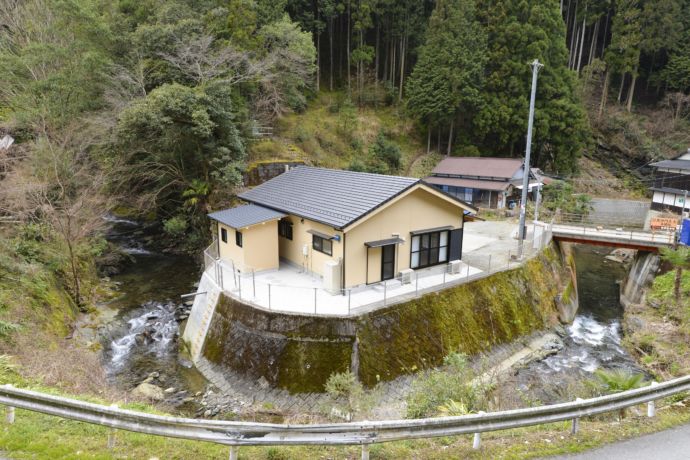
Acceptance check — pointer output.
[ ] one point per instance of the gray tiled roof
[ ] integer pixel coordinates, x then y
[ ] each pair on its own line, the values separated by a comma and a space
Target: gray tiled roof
244, 216
330, 196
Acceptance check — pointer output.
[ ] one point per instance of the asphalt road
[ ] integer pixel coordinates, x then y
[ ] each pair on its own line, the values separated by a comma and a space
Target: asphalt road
673, 444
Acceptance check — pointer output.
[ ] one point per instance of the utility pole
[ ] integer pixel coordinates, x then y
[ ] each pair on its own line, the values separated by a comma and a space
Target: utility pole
528, 150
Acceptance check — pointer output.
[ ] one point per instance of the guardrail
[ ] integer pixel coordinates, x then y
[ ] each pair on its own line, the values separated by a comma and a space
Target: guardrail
365, 433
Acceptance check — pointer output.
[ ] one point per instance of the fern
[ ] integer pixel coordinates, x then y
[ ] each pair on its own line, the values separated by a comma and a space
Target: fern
618, 380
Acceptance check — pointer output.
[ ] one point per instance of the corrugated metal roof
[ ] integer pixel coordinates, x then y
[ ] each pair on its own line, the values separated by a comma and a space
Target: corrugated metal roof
330, 196
246, 215
672, 164
479, 166
469, 183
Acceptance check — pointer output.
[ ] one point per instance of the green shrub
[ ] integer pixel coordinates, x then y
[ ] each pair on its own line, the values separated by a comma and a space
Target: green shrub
175, 226
618, 380
7, 328
347, 394
447, 388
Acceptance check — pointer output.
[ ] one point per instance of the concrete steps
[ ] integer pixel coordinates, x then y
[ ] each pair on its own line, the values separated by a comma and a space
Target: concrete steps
210, 303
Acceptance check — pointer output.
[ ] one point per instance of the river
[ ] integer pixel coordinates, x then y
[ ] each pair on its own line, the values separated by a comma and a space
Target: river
592, 341
143, 338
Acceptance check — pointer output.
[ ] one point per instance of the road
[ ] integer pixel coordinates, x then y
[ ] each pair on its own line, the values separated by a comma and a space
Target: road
673, 444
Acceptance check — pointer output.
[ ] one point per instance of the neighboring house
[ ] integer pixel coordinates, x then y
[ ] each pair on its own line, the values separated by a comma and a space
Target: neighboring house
351, 228
493, 183
671, 183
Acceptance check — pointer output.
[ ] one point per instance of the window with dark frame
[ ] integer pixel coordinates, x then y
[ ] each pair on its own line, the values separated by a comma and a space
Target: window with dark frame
224, 235
238, 238
285, 229
322, 245
429, 249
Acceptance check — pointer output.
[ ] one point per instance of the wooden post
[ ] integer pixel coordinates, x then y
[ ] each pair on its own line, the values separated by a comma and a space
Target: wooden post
234, 452
651, 405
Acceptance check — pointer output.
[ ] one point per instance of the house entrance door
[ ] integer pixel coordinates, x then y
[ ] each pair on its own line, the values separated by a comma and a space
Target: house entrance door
387, 262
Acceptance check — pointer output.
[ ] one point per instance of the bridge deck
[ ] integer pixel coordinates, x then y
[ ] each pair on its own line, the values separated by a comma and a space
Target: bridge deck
613, 237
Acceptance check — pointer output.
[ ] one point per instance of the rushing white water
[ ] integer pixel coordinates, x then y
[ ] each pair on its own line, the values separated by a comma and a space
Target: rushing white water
118, 220
135, 250
151, 332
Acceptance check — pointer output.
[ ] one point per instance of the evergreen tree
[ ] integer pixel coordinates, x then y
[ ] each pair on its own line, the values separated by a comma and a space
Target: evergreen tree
447, 79
520, 31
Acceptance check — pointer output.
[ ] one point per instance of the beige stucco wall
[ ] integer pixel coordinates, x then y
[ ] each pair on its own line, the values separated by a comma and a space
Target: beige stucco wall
259, 249
418, 210
292, 249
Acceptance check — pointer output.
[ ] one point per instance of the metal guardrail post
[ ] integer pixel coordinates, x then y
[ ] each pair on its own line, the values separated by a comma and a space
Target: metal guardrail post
349, 300
239, 279
508, 259
576, 421
444, 276
416, 285
468, 273
315, 290
269, 296
385, 288
365, 451
111, 433
651, 405
489, 270
9, 416
477, 440
254, 283
234, 452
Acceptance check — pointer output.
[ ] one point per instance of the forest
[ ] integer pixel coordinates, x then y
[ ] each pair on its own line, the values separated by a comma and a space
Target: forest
149, 107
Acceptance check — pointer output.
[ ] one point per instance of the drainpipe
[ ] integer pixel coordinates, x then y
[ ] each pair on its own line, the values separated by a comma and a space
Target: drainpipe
342, 276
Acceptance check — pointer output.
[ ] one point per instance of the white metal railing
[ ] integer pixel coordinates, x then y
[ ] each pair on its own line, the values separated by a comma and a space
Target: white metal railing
269, 293
655, 238
353, 433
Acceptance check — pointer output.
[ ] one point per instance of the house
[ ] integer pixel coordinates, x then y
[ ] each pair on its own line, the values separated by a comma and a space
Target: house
493, 183
348, 227
671, 183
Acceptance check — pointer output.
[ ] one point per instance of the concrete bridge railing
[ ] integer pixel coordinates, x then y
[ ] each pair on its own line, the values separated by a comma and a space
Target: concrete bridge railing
614, 237
235, 434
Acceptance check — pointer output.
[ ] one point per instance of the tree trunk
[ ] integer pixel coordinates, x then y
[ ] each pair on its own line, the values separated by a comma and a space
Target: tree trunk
593, 45
428, 139
604, 93
438, 140
376, 55
318, 61
393, 73
620, 89
330, 44
384, 76
631, 91
402, 66
349, 86
606, 32
582, 41
450, 137
572, 36
573, 55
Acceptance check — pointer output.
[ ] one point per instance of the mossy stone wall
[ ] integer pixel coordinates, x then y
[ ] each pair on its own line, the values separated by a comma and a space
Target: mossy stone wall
299, 353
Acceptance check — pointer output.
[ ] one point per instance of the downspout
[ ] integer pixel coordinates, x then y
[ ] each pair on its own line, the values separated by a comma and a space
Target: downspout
343, 268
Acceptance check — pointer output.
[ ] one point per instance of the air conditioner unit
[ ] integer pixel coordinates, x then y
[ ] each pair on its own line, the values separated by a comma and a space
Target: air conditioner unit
454, 267
406, 276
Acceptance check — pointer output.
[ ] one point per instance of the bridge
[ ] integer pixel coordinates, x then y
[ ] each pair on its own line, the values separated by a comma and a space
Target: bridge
600, 236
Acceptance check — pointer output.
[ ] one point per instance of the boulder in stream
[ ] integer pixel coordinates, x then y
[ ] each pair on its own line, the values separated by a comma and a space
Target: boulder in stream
150, 391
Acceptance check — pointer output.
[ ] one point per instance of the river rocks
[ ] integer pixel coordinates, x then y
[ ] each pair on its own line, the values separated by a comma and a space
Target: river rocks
187, 364
169, 391
149, 391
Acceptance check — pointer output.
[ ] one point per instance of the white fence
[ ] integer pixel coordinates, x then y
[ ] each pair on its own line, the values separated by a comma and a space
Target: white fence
290, 290
354, 433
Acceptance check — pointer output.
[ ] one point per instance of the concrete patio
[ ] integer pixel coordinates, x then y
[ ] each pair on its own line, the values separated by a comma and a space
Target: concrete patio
291, 289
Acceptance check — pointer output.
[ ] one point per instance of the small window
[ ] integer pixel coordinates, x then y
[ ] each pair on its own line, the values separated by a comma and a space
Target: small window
429, 249
224, 235
238, 238
322, 245
285, 229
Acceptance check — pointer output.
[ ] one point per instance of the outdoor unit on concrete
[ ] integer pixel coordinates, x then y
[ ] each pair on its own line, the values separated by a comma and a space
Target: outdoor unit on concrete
454, 267
331, 276
406, 276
